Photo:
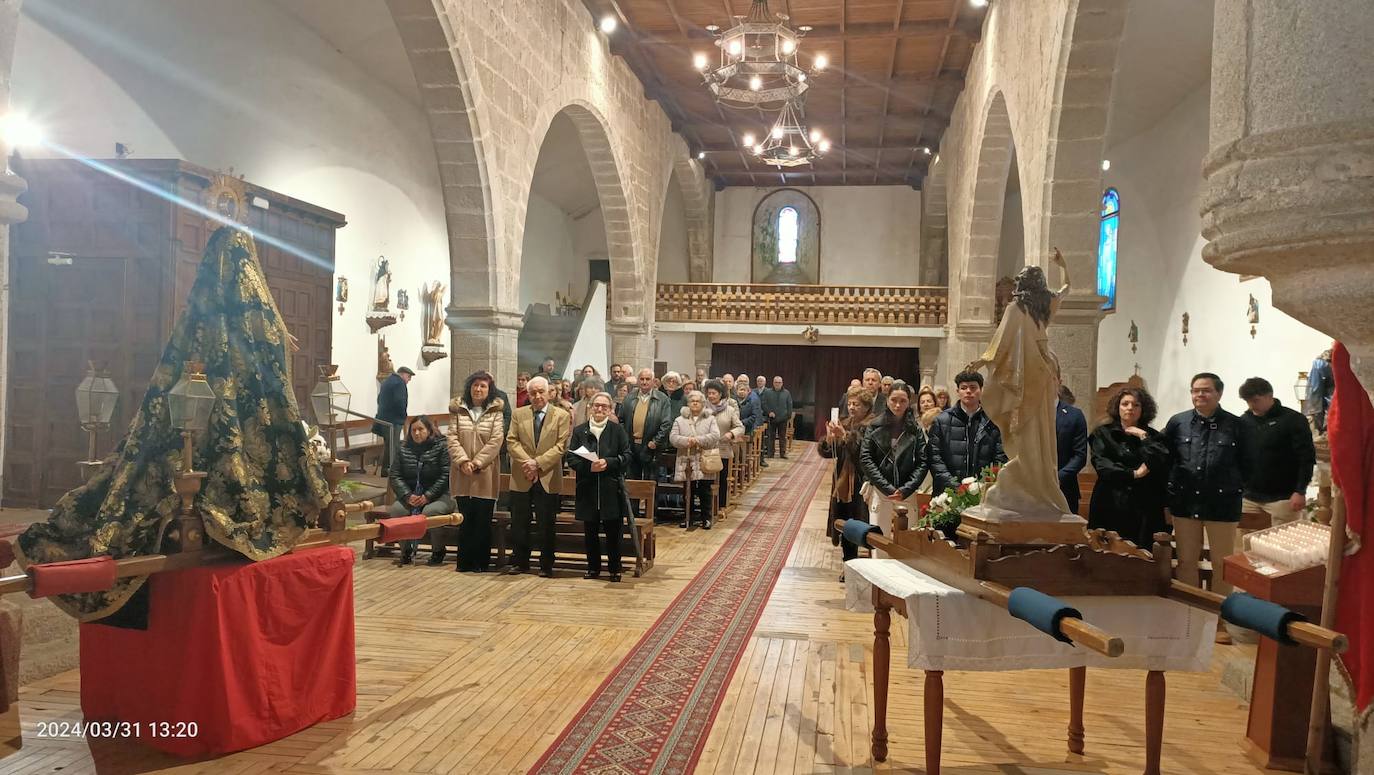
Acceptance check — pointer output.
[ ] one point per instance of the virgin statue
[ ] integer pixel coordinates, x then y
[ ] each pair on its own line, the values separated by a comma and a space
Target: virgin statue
1020, 396
381, 286
263, 479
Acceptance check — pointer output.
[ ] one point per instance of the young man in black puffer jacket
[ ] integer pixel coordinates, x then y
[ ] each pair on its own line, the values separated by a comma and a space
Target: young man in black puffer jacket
963, 439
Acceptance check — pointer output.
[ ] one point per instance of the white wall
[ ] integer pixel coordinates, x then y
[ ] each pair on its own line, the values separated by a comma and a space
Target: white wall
673, 258
549, 260
678, 350
1161, 275
870, 235
590, 345
1011, 246
256, 90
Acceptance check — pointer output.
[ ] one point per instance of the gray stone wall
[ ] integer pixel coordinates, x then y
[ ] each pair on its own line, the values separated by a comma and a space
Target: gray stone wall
494, 75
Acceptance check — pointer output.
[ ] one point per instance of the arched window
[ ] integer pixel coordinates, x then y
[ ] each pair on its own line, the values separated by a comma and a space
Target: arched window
789, 231
1106, 247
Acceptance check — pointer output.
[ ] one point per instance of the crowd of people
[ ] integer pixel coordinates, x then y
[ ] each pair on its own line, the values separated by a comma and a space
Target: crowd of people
1197, 475
603, 430
890, 442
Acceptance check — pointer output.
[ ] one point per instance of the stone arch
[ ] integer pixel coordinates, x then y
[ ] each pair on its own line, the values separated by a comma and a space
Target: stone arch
447, 96
1078, 134
627, 293
697, 205
977, 276
483, 331
1072, 193
934, 268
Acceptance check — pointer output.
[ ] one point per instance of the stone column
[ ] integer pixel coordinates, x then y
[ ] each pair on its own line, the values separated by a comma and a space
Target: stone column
927, 376
1289, 181
631, 342
1073, 339
964, 343
484, 338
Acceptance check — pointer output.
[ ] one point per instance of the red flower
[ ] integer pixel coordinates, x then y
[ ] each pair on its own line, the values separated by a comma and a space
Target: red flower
925, 509
963, 488
995, 469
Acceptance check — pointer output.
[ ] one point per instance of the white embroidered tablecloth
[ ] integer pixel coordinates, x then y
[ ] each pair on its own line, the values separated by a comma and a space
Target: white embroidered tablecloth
949, 629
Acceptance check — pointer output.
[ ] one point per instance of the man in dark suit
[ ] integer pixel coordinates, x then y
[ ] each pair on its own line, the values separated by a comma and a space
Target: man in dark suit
1071, 433
393, 397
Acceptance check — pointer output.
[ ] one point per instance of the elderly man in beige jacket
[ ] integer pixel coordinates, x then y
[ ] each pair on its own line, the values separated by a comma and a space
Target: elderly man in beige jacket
537, 440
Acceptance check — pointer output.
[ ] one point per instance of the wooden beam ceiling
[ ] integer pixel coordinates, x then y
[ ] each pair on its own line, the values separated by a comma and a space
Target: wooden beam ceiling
897, 67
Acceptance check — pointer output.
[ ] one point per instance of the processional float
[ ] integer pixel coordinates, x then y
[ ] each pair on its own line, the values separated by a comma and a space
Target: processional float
1020, 550
221, 397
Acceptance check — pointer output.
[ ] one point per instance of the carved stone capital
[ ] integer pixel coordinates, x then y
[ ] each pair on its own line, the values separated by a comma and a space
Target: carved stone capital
483, 319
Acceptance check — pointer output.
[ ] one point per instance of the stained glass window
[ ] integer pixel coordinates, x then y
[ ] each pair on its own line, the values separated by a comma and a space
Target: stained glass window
1106, 247
788, 232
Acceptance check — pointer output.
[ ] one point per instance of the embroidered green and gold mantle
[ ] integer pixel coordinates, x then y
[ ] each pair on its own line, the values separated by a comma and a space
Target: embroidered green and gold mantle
263, 479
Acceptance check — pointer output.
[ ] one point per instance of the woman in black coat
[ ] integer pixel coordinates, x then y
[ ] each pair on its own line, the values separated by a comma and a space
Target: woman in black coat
841, 442
893, 455
420, 478
601, 501
1132, 462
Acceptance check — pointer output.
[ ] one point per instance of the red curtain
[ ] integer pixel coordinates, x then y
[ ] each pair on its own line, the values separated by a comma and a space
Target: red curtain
1350, 431
816, 375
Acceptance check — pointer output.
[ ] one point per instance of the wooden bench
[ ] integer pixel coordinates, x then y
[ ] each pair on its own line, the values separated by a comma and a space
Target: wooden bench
568, 531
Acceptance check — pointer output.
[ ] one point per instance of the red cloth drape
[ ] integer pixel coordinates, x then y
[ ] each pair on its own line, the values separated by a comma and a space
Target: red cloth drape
250, 652
1350, 432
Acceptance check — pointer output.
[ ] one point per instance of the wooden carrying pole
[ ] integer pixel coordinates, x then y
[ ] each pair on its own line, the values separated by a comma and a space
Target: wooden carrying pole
1321, 682
1305, 633
1076, 630
159, 563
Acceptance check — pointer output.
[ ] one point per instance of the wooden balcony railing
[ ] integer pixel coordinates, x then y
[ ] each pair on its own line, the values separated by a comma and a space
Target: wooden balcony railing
860, 305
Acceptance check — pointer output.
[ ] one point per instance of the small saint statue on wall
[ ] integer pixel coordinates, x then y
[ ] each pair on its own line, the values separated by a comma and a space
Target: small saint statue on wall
384, 365
402, 302
1185, 329
341, 292
1133, 336
434, 312
1252, 314
379, 314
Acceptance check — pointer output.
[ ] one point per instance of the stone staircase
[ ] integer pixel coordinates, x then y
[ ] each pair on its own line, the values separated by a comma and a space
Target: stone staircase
546, 335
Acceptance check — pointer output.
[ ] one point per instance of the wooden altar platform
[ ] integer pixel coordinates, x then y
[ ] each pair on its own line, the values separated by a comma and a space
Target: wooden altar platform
524, 653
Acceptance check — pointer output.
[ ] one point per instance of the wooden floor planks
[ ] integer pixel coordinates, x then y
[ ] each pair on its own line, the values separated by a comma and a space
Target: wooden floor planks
479, 674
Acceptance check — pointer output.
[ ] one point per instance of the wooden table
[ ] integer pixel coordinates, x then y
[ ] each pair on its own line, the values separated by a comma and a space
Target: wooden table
1281, 697
933, 712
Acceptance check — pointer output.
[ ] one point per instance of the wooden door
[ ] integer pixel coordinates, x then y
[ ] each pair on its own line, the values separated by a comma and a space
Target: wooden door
816, 375
64, 316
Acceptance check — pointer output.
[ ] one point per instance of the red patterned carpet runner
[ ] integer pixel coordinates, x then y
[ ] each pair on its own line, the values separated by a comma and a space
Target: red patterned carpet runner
654, 711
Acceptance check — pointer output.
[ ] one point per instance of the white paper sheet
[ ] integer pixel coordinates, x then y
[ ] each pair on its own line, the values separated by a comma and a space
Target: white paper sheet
586, 454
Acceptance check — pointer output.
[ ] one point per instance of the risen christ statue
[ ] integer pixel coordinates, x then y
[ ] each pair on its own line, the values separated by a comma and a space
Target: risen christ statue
1022, 388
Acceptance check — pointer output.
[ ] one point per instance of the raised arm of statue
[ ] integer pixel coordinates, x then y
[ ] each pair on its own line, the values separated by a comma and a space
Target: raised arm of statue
1058, 260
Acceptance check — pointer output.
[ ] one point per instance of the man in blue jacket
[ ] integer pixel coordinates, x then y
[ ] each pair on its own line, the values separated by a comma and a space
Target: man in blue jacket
393, 397
1071, 434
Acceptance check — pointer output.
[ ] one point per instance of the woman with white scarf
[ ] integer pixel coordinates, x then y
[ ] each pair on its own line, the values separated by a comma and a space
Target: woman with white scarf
693, 432
726, 413
600, 495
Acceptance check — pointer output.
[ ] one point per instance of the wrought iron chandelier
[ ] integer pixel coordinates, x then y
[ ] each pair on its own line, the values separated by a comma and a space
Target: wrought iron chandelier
789, 143
758, 61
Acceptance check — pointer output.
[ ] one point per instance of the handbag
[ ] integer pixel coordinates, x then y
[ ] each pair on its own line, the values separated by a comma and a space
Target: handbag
711, 462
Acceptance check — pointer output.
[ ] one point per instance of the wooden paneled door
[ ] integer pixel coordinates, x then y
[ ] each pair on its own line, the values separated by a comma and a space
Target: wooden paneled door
63, 317
817, 376
100, 271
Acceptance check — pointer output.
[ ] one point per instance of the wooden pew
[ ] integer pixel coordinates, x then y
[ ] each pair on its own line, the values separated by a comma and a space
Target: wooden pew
568, 531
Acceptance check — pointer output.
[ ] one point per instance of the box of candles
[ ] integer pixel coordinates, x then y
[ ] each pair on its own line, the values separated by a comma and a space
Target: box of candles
1289, 547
